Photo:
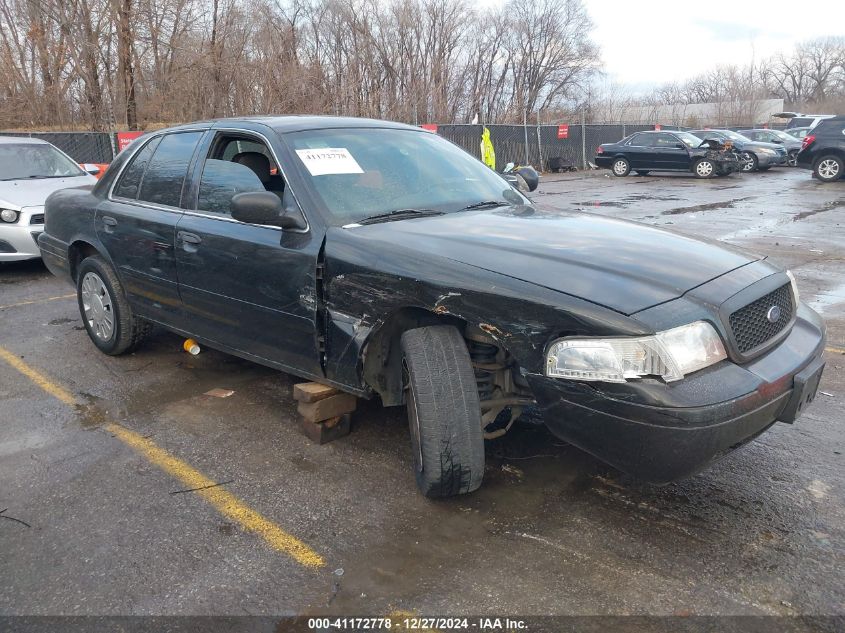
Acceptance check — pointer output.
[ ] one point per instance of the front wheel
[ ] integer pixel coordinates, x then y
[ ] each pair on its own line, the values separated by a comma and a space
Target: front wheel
621, 167
104, 309
792, 158
444, 413
828, 168
704, 168
749, 161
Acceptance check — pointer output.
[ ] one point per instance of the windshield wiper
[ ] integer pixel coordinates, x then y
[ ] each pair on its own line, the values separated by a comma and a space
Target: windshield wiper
487, 204
399, 214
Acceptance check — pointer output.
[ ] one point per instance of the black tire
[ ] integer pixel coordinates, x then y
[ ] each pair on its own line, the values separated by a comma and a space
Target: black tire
443, 411
829, 168
792, 159
127, 330
642, 172
620, 167
751, 163
704, 168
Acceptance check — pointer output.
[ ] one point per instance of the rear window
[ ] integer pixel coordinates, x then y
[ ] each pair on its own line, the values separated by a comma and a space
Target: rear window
165, 174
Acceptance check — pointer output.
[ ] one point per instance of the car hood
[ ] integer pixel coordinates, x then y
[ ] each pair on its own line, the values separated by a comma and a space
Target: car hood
33, 192
618, 264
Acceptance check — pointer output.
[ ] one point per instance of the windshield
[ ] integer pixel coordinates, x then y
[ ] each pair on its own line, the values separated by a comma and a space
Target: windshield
690, 140
783, 135
362, 172
30, 160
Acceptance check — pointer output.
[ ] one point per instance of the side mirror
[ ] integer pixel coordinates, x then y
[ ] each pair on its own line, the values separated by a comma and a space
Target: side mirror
91, 168
260, 207
778, 141
680, 146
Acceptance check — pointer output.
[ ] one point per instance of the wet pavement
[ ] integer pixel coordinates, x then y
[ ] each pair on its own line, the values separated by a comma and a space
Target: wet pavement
89, 525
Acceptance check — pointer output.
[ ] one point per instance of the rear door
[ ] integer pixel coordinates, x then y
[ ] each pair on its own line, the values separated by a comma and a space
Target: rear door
249, 287
137, 221
639, 151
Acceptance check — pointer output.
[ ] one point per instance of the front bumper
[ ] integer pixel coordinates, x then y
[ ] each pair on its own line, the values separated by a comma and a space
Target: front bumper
772, 160
18, 241
662, 432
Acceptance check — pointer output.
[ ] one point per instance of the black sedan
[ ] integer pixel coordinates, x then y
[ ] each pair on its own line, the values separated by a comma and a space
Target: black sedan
755, 155
384, 261
644, 152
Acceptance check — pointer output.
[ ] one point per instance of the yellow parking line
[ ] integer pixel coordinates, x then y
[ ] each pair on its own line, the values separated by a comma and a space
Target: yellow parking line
31, 301
834, 349
224, 502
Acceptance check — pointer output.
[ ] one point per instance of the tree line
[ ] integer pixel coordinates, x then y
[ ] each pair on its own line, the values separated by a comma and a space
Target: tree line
101, 64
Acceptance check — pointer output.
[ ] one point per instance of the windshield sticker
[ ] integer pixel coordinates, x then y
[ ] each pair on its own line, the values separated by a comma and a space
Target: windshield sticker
329, 160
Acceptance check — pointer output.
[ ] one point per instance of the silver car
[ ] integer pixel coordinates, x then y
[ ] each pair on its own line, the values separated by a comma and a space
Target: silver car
30, 170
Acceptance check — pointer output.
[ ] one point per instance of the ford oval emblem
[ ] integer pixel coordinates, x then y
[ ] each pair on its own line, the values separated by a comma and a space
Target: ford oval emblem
773, 315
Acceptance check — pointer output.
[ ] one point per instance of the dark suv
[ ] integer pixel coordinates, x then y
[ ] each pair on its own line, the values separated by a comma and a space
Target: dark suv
824, 150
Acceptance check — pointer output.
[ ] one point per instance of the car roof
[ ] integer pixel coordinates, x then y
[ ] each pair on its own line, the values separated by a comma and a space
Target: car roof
17, 140
298, 123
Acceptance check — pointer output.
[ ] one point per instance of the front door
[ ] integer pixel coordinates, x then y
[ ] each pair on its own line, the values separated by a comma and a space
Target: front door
136, 223
248, 287
672, 153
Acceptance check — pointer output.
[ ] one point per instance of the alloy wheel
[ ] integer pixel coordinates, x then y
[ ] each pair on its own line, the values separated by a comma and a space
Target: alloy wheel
619, 167
704, 168
828, 169
98, 307
747, 161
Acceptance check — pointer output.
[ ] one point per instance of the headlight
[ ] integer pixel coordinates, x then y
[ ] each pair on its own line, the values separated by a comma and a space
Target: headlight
670, 354
8, 215
794, 285
766, 150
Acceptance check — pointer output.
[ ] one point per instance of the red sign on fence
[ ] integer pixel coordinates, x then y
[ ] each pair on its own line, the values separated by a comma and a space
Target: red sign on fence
124, 138
658, 127
563, 131
431, 127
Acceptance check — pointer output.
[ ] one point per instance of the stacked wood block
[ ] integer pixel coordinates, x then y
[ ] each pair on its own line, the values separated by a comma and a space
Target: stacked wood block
326, 412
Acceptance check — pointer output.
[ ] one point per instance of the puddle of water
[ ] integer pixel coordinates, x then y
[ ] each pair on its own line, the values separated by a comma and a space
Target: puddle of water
709, 206
828, 298
827, 206
601, 203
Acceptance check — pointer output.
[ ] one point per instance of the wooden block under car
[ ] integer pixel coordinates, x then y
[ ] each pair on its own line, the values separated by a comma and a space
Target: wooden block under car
328, 430
312, 391
326, 408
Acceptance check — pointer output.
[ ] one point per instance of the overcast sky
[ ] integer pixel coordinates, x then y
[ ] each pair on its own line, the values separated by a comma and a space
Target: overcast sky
656, 41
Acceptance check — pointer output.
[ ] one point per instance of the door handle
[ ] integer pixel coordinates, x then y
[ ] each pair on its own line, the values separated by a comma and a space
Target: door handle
109, 223
190, 241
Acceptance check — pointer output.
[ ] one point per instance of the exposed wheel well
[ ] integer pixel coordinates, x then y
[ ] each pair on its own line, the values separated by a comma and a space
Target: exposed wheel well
383, 352
78, 251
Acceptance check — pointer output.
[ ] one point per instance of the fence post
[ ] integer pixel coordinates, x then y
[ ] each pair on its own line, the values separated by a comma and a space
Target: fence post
539, 144
583, 141
525, 130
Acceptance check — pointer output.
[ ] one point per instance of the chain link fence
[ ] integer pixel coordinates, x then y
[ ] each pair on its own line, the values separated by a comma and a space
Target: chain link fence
83, 147
542, 145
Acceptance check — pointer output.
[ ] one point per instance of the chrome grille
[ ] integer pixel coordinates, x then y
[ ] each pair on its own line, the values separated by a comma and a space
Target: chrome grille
751, 326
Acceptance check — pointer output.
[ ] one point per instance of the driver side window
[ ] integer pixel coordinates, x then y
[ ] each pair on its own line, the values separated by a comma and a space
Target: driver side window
236, 165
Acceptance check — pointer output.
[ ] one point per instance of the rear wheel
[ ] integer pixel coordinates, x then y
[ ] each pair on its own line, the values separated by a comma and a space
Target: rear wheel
792, 159
444, 414
621, 167
704, 168
105, 312
828, 168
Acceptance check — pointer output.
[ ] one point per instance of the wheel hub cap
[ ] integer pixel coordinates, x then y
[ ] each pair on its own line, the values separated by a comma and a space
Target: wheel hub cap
97, 306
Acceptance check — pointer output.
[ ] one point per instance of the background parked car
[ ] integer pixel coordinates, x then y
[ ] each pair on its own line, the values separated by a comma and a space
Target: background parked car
792, 144
30, 170
824, 150
755, 155
799, 132
666, 151
796, 119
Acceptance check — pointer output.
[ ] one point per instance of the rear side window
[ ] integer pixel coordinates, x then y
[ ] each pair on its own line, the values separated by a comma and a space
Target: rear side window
162, 181
829, 127
130, 181
643, 140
